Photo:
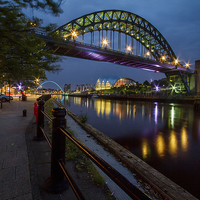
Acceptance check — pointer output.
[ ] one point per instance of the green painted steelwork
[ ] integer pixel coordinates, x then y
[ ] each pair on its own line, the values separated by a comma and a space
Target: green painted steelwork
123, 22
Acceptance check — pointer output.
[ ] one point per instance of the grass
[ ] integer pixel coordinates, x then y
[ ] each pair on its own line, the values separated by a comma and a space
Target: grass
82, 163
74, 153
83, 117
48, 106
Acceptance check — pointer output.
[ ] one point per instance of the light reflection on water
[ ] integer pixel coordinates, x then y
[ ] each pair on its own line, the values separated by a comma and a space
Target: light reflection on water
166, 136
160, 145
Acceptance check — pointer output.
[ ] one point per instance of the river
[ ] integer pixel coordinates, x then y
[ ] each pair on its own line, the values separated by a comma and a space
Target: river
164, 135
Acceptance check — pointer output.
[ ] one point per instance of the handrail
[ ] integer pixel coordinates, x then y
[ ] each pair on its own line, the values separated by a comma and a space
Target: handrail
119, 179
73, 185
58, 169
46, 115
46, 137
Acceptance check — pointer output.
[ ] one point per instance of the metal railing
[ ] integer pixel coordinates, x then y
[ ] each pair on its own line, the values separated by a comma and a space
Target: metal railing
57, 182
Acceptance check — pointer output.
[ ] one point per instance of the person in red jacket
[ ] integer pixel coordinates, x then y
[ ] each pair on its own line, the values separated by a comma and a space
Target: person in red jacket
35, 111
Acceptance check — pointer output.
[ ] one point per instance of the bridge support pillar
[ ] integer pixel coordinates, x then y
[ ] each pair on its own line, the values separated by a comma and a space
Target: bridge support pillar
197, 69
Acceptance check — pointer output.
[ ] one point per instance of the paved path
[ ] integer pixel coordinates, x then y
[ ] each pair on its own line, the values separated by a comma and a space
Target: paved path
24, 163
14, 166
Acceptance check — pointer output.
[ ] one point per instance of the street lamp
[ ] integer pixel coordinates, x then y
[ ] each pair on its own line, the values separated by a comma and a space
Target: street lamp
176, 61
104, 42
187, 65
128, 49
148, 54
163, 58
37, 81
74, 34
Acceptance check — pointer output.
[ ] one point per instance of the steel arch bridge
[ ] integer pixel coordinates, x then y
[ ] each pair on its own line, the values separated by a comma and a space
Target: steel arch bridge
119, 37
49, 82
123, 22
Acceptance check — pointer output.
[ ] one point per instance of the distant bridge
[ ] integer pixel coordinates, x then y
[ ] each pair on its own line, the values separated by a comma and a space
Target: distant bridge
49, 82
119, 37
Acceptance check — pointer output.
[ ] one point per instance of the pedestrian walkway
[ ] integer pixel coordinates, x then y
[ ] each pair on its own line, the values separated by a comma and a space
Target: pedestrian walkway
14, 166
25, 163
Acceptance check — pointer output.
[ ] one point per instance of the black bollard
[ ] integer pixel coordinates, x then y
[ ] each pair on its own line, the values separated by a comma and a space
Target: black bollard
57, 181
40, 122
24, 112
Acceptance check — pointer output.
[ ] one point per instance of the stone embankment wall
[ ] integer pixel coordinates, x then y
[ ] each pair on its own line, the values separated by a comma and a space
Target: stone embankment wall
162, 184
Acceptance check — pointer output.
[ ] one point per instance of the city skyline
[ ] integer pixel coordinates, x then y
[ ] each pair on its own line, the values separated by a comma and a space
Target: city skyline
178, 21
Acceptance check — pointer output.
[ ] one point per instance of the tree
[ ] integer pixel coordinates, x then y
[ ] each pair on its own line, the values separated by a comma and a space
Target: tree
146, 83
22, 54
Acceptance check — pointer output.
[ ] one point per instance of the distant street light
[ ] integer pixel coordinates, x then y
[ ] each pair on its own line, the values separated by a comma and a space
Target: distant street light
148, 54
176, 61
187, 65
128, 48
163, 58
104, 42
74, 34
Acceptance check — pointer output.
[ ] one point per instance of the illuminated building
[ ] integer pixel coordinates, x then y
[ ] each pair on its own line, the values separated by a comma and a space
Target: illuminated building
67, 88
90, 87
108, 82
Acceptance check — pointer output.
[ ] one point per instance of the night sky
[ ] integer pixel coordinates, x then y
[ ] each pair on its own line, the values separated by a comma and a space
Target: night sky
177, 20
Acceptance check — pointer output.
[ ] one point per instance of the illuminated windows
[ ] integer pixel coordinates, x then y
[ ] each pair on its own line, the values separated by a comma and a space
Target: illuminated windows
108, 82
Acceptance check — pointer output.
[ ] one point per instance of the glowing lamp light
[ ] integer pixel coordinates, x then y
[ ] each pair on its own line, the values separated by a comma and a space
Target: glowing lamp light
163, 58
19, 86
128, 48
187, 65
32, 24
176, 61
105, 42
157, 88
173, 87
148, 53
74, 34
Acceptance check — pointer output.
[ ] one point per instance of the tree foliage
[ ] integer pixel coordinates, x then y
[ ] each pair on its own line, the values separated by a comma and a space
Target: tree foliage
22, 54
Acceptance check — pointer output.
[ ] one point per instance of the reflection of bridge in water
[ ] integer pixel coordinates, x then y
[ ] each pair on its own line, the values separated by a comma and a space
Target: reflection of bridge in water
122, 38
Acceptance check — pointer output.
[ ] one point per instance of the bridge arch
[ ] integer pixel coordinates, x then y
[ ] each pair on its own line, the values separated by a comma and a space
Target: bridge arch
123, 22
48, 82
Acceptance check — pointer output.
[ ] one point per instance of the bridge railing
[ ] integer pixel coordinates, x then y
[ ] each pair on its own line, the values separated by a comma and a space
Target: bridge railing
60, 178
170, 65
42, 34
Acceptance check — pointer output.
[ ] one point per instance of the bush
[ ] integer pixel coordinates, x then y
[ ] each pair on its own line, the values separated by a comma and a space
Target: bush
83, 117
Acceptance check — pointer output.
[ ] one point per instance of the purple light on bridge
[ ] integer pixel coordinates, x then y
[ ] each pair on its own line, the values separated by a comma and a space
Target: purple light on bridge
97, 56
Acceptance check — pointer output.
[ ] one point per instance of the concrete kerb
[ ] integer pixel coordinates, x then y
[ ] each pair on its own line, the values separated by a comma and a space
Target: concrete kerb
158, 181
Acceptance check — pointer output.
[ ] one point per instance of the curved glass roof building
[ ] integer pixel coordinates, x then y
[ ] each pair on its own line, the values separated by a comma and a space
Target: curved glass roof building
108, 82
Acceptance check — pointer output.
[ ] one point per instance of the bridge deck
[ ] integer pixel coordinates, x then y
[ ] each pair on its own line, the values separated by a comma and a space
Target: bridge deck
91, 52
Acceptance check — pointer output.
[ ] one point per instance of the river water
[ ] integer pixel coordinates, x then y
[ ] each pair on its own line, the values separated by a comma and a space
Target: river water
164, 135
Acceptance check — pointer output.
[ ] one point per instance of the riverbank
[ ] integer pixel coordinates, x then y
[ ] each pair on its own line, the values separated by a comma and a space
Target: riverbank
166, 187
163, 99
